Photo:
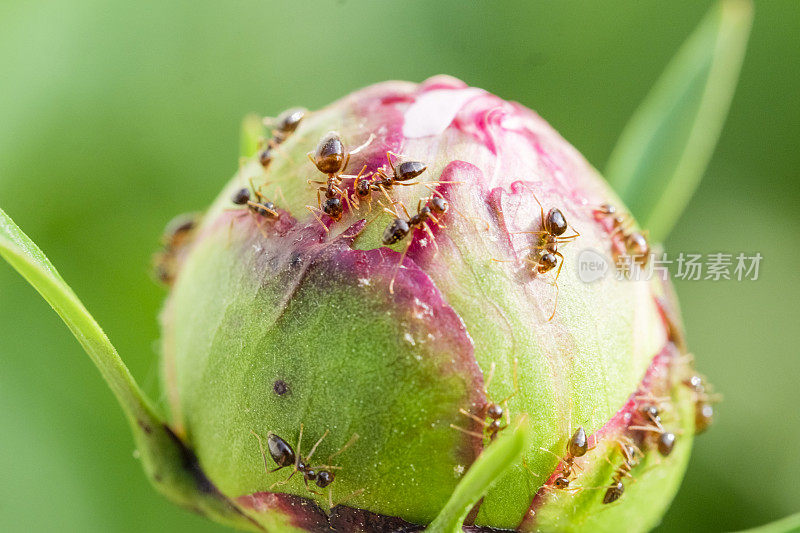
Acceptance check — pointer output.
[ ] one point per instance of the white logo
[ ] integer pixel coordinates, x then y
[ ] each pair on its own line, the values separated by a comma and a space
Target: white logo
591, 266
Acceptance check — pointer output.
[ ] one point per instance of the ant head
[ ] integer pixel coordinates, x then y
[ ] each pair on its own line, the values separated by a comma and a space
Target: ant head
561, 482
363, 187
666, 442
547, 262
651, 412
324, 478
333, 208
439, 205
329, 155
555, 222
288, 121
280, 450
578, 445
495, 411
265, 157
395, 232
241, 197
409, 170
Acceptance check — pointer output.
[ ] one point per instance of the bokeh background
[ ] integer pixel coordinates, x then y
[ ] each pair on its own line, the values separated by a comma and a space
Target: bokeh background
114, 116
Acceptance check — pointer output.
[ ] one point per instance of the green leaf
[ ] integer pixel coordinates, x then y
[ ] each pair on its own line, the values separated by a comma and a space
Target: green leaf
484, 472
665, 148
169, 464
790, 524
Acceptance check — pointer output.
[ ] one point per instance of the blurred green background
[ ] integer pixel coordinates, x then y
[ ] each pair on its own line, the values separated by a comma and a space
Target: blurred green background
114, 116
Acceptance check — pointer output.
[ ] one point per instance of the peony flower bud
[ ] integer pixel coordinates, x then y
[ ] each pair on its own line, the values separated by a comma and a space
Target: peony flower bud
393, 283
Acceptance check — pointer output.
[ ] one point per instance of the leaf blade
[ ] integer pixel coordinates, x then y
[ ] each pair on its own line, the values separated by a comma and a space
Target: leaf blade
483, 473
664, 150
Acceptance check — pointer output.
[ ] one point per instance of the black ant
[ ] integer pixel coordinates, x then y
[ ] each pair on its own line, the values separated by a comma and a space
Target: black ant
491, 413
636, 245
177, 234
630, 458
435, 206
284, 456
577, 446
544, 255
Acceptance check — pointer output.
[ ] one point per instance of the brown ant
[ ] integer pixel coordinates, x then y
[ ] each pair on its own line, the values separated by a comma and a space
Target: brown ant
544, 255
491, 413
435, 206
577, 446
331, 158
630, 458
284, 125
262, 209
284, 456
636, 245
364, 187
703, 408
177, 234
666, 439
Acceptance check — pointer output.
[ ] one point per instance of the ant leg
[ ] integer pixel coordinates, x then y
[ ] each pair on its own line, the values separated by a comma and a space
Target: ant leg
311, 158
555, 283
389, 159
284, 482
280, 193
431, 235
397, 269
321, 223
473, 417
468, 432
516, 390
349, 443
299, 441
314, 448
263, 454
489, 379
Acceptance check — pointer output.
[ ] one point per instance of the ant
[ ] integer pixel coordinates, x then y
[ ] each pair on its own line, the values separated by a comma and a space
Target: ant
407, 170
284, 455
262, 208
544, 255
703, 409
331, 158
491, 413
636, 245
177, 234
577, 446
666, 439
284, 125
435, 206
630, 458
